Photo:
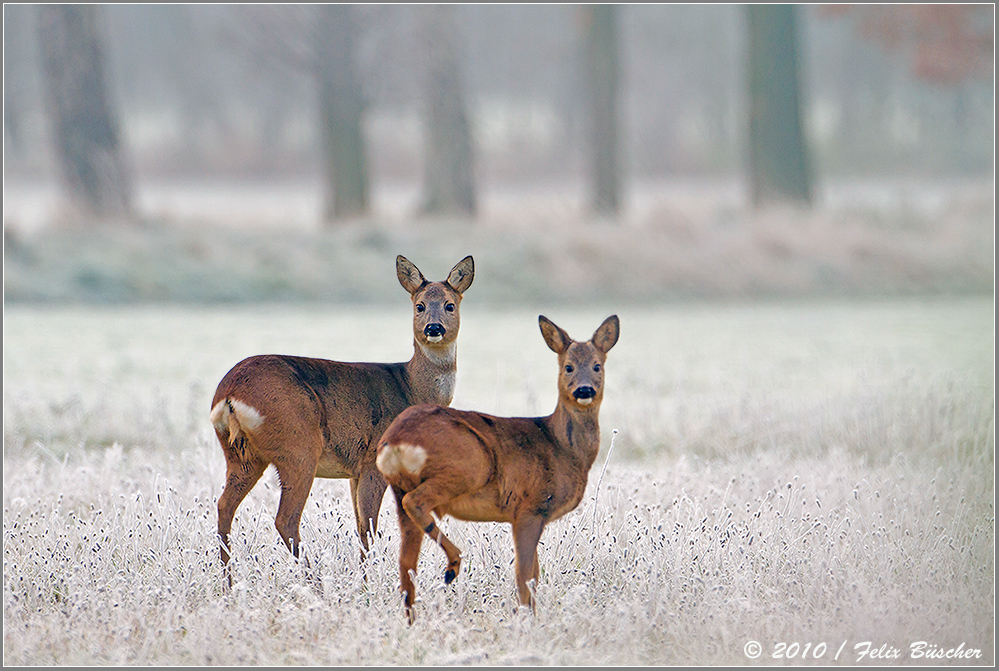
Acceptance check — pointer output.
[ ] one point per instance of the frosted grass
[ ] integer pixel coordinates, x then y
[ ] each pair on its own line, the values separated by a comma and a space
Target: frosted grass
810, 473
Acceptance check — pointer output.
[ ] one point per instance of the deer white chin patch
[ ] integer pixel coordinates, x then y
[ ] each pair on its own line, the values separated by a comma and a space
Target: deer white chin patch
435, 339
584, 401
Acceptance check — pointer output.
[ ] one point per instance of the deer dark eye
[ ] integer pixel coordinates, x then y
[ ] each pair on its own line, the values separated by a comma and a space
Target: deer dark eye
420, 307
449, 307
596, 368
569, 369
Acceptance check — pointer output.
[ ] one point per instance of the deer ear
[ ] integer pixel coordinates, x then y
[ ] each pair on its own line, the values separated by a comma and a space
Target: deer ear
409, 275
607, 334
461, 275
557, 339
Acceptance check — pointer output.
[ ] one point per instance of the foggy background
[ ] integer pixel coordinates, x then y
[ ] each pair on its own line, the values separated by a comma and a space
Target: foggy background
219, 112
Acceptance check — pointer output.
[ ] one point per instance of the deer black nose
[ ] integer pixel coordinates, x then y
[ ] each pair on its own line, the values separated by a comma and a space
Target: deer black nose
584, 392
434, 331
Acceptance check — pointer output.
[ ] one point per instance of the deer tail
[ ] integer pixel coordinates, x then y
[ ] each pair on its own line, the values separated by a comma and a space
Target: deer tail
233, 419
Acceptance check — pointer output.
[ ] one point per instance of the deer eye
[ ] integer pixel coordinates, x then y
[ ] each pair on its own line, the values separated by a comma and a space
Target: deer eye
420, 307
569, 369
449, 307
596, 368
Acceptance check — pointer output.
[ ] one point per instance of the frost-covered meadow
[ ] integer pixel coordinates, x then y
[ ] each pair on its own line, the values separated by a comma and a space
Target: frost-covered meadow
794, 473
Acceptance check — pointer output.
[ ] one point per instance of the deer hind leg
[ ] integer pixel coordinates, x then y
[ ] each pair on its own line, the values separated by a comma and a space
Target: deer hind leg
294, 493
526, 534
296, 483
418, 503
241, 475
367, 492
409, 554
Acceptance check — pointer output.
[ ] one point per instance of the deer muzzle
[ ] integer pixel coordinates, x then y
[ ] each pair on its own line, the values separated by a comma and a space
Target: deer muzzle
434, 332
584, 395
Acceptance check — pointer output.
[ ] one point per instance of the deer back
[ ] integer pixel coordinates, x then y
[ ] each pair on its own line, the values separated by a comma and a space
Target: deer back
500, 468
290, 401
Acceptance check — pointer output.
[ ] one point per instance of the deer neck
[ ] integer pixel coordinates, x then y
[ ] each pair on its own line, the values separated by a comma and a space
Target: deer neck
432, 373
577, 429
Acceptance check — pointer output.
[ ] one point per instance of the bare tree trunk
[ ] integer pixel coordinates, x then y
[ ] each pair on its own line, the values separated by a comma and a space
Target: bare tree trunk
15, 46
341, 106
84, 127
602, 74
778, 164
448, 180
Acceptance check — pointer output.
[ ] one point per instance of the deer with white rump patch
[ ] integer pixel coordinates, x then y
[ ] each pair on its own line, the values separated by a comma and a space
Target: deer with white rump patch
314, 418
480, 468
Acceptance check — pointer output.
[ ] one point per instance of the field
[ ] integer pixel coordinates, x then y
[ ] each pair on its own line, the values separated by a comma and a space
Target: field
220, 242
813, 476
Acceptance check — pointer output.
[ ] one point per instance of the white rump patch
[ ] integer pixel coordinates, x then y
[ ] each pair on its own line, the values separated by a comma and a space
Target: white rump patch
235, 418
398, 457
220, 416
248, 417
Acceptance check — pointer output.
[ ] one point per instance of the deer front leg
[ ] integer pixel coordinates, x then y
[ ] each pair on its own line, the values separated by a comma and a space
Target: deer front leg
526, 534
409, 555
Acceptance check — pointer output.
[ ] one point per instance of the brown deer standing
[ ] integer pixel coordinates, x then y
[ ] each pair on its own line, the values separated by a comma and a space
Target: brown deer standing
480, 468
314, 418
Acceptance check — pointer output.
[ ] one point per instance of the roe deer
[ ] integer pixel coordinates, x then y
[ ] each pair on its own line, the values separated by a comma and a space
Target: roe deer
314, 418
480, 468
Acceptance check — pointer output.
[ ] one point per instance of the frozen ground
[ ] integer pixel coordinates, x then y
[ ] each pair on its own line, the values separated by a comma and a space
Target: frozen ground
796, 473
